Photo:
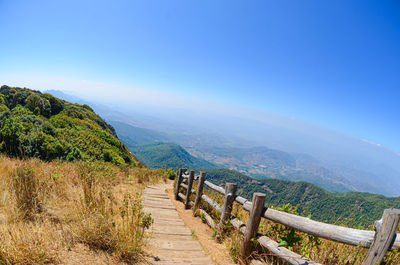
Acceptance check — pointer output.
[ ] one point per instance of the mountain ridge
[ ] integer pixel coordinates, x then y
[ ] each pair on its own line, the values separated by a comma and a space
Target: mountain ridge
351, 162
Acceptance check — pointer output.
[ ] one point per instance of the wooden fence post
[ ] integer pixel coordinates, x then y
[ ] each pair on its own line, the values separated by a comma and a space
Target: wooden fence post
384, 236
189, 189
199, 192
230, 193
178, 183
252, 224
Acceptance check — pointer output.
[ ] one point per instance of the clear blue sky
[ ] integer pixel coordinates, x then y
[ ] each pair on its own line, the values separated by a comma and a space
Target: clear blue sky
331, 63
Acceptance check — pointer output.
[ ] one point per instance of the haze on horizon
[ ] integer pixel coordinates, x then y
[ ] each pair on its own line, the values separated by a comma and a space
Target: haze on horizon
335, 65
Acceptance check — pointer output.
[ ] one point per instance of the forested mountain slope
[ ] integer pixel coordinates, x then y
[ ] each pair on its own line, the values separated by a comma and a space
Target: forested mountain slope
352, 208
158, 155
39, 125
154, 149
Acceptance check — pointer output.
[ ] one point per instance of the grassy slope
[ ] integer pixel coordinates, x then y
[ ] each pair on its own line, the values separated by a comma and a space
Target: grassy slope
50, 211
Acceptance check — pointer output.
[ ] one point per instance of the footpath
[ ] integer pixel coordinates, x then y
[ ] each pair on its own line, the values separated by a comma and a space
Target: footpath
171, 242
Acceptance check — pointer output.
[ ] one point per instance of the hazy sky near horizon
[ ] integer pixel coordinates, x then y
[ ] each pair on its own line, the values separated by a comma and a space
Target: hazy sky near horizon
335, 64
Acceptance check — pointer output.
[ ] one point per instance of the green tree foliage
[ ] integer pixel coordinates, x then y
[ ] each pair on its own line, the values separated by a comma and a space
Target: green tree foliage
11, 132
75, 154
56, 105
39, 125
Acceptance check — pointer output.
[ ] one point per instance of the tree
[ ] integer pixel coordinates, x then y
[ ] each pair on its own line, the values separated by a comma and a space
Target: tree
10, 136
33, 102
56, 105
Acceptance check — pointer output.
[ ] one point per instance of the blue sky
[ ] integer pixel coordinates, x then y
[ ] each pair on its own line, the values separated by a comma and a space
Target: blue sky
335, 64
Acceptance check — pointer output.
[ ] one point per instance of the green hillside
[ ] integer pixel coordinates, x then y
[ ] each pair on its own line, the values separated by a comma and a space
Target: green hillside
157, 155
39, 125
351, 208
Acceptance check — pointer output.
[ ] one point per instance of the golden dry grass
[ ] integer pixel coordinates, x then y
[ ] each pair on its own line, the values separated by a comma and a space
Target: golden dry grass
49, 211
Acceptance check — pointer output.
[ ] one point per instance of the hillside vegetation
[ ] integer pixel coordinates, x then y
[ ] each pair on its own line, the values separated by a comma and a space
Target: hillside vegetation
39, 125
158, 155
351, 208
72, 212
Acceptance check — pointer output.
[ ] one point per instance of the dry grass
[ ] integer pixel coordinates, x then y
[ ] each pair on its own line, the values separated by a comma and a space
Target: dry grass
48, 210
324, 251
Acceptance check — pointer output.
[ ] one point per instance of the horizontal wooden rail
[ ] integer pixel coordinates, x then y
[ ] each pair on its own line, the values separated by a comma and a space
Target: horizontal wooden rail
186, 187
239, 225
215, 187
337, 233
284, 253
181, 196
211, 202
208, 219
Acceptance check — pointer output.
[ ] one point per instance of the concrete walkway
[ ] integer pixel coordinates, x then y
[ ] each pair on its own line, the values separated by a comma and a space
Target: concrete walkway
172, 241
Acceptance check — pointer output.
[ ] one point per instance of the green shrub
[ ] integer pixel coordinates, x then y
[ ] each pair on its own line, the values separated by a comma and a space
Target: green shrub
75, 154
111, 156
171, 173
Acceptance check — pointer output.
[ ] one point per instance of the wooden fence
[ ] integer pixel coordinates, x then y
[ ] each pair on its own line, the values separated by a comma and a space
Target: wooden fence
383, 239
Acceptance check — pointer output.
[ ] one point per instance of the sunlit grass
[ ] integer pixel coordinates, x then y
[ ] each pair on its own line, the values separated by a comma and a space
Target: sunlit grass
48, 207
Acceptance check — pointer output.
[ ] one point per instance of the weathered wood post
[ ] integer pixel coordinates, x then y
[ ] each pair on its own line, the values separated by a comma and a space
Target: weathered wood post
384, 236
230, 193
189, 189
178, 182
252, 224
199, 192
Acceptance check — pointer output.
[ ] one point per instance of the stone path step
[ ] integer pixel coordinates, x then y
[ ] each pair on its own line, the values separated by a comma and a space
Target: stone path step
172, 241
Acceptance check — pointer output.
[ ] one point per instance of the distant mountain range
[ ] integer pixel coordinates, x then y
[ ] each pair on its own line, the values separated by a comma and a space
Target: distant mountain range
358, 208
270, 147
262, 162
270, 169
148, 148
154, 149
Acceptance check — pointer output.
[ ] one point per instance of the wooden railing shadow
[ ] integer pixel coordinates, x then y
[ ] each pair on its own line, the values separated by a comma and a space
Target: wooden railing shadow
383, 239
